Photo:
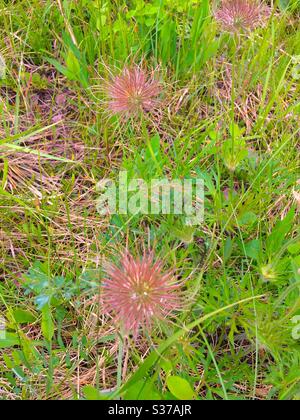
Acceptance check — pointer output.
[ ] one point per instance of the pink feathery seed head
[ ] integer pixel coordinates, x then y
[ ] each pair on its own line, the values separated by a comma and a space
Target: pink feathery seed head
138, 292
133, 92
237, 15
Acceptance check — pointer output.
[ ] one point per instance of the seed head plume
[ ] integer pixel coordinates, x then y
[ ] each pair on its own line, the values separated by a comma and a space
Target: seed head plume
133, 92
138, 292
241, 15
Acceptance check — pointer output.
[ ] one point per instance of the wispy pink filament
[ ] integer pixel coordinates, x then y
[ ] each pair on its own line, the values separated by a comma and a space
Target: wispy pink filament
138, 292
133, 92
235, 15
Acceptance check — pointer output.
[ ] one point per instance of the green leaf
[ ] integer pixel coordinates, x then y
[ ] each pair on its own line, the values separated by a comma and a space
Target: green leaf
59, 67
253, 249
23, 317
296, 267
166, 365
153, 151
294, 248
234, 153
184, 233
8, 340
47, 323
228, 247
247, 218
92, 394
275, 240
284, 4
142, 390
42, 300
72, 63
180, 388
